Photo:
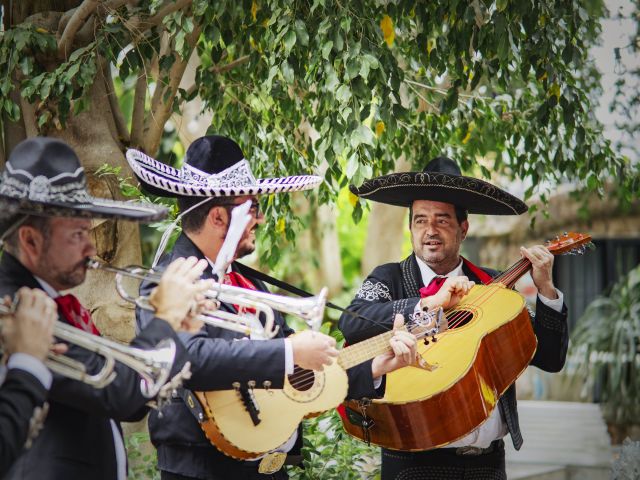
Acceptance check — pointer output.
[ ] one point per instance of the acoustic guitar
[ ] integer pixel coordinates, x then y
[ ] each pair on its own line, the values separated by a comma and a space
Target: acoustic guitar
247, 423
489, 343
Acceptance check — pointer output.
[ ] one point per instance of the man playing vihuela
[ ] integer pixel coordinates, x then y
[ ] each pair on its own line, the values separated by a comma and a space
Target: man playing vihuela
436, 276
214, 179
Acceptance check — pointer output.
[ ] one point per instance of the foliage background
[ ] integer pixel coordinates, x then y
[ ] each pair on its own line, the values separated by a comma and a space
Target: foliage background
344, 89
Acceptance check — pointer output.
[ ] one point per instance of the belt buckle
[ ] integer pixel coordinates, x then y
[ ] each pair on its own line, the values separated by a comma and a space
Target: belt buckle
272, 462
469, 450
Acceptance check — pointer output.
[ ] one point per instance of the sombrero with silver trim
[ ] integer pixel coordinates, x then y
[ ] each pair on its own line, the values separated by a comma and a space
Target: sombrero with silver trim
214, 166
43, 176
441, 181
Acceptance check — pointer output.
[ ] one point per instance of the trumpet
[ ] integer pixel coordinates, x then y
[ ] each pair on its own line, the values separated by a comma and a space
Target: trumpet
153, 366
310, 309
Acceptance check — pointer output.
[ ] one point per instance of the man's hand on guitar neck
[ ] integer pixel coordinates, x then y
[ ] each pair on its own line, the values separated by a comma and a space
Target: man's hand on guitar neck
541, 269
402, 354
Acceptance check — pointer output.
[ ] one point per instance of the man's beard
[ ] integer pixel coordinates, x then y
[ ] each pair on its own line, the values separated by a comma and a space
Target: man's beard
245, 249
246, 246
64, 279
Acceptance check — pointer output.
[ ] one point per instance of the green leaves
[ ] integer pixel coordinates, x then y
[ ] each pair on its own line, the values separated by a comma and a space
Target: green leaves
361, 135
509, 84
289, 41
604, 349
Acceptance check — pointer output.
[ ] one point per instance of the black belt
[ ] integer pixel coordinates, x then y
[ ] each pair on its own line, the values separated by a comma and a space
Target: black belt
290, 460
467, 451
474, 451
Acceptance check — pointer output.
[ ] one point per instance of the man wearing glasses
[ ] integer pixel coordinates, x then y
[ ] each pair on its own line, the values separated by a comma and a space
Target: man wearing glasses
214, 178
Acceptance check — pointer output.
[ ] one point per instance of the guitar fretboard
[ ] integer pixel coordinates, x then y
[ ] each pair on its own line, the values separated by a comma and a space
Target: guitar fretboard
367, 349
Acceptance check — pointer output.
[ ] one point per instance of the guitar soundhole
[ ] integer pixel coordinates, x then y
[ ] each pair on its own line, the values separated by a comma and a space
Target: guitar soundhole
459, 318
302, 379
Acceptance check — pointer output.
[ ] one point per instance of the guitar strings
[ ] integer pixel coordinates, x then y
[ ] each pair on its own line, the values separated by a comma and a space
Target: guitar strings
507, 277
455, 316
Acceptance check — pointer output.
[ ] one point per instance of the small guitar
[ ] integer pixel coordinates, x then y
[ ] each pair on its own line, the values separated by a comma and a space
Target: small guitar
247, 423
488, 344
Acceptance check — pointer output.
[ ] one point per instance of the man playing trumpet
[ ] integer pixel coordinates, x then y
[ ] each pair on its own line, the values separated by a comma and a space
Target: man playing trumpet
46, 247
214, 179
26, 336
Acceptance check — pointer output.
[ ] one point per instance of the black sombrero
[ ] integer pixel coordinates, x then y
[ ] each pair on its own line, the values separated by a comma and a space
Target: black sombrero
43, 176
442, 181
214, 166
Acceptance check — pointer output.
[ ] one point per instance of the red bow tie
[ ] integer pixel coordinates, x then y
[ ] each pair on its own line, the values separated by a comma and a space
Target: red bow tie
433, 287
76, 314
238, 280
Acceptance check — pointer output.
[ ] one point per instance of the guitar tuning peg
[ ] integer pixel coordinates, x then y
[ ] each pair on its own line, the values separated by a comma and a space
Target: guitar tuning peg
565, 234
557, 237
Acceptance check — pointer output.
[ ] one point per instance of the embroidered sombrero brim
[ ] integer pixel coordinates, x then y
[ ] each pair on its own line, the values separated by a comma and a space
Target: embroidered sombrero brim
163, 180
90, 207
43, 176
477, 196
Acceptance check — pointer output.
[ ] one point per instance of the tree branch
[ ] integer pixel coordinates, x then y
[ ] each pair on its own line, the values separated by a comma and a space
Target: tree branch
164, 97
231, 65
29, 116
77, 20
137, 26
221, 69
137, 117
118, 117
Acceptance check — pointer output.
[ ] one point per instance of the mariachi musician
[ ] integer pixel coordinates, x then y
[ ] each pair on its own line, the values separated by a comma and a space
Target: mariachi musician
25, 338
439, 199
46, 248
214, 179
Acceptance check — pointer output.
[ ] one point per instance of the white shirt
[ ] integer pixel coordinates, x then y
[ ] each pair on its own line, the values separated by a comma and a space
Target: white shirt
30, 364
494, 428
121, 454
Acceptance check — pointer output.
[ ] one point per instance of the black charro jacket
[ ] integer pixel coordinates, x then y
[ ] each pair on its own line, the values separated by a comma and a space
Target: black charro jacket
77, 439
20, 394
219, 358
393, 288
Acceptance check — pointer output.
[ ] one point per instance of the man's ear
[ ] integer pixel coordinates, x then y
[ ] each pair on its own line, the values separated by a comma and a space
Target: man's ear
465, 228
31, 242
217, 217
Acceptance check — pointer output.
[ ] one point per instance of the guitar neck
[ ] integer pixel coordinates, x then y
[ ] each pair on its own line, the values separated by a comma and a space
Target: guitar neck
512, 274
367, 349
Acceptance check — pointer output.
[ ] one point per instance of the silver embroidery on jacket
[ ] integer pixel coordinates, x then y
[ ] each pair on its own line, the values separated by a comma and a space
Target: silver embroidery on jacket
373, 291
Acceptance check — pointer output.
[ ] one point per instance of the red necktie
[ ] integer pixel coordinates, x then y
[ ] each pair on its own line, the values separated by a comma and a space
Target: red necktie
433, 287
76, 314
238, 280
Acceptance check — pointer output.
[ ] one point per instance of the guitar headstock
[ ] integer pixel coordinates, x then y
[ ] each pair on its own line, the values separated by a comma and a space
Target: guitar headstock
572, 243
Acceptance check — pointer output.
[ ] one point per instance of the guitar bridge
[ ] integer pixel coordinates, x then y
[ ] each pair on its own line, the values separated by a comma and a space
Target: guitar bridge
248, 399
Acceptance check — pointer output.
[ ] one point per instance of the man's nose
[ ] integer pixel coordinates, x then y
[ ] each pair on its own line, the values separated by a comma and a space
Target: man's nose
430, 229
90, 249
259, 218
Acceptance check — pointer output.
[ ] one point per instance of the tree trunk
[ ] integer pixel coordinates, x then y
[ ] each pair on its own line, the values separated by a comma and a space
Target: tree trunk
385, 231
93, 136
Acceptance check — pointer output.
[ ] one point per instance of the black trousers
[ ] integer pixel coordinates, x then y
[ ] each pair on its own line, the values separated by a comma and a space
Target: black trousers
444, 464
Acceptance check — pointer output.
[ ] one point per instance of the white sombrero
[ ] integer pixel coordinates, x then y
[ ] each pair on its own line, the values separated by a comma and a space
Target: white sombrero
214, 166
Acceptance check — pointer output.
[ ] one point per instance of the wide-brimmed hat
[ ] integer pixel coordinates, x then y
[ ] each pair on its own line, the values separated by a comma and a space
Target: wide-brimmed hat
214, 166
43, 176
441, 181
